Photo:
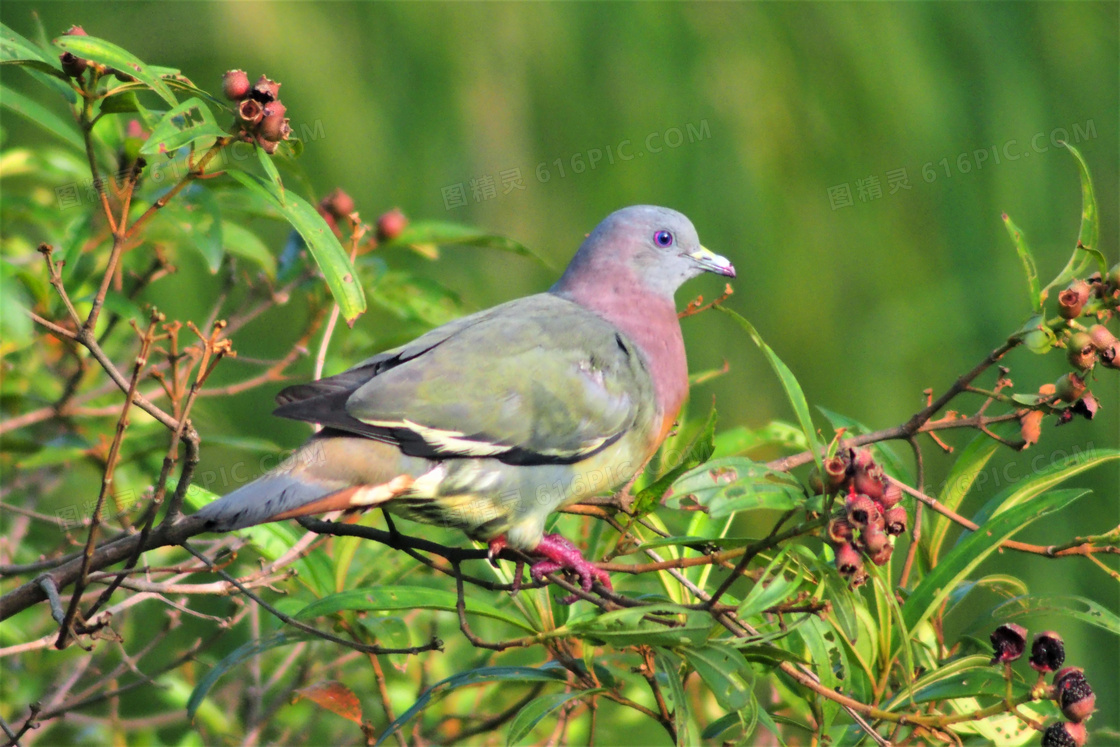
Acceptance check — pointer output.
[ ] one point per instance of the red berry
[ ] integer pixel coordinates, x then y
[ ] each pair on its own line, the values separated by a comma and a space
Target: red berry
235, 85
391, 225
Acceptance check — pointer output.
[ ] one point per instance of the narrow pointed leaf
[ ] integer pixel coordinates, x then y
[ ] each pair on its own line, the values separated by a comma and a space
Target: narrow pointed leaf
472, 677
789, 382
187, 123
1027, 258
247, 651
38, 114
403, 598
332, 259
537, 709
107, 53
974, 547
962, 476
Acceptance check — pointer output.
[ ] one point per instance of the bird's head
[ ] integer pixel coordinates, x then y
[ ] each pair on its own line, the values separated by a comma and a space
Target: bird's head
653, 246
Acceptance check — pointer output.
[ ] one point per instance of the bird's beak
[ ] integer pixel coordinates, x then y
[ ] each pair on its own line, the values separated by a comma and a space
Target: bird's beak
713, 262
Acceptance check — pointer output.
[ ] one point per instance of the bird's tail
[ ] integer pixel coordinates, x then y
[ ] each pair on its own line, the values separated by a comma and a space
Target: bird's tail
327, 474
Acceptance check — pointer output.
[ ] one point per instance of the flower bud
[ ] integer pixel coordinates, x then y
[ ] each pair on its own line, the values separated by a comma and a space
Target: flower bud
1064, 734
1101, 336
1075, 697
873, 540
235, 85
1073, 299
75, 31
1048, 652
266, 90
861, 510
870, 482
1069, 305
848, 561
273, 126
1080, 351
883, 556
1009, 640
72, 64
862, 458
839, 531
250, 112
896, 518
892, 495
835, 473
391, 225
1069, 387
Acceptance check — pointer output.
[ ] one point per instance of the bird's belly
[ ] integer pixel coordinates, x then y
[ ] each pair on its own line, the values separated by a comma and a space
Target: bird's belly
486, 497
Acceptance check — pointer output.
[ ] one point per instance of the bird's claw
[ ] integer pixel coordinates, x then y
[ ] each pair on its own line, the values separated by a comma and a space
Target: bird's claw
561, 555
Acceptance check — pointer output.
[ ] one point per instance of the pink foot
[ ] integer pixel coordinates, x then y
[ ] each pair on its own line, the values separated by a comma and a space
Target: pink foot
561, 555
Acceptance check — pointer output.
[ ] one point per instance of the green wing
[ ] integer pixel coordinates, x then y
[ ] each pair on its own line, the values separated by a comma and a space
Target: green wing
538, 380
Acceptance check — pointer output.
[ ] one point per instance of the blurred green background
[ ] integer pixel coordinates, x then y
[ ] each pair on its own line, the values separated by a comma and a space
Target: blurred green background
753, 119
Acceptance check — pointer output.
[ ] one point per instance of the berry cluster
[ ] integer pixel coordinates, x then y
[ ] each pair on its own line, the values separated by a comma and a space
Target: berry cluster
871, 506
1070, 689
260, 112
1099, 299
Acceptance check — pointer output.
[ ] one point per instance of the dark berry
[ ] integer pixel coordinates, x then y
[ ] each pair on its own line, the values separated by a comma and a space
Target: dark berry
1048, 652
1009, 640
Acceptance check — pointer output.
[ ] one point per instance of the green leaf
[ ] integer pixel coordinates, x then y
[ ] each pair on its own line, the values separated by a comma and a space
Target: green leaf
720, 725
631, 626
249, 650
535, 710
40, 115
332, 259
1074, 607
1053, 474
733, 484
698, 452
668, 665
966, 677
789, 382
15, 48
974, 547
207, 226
402, 598
241, 242
270, 169
998, 583
740, 439
1027, 258
963, 474
107, 53
472, 677
1089, 234
444, 233
187, 123
821, 643
722, 668
772, 587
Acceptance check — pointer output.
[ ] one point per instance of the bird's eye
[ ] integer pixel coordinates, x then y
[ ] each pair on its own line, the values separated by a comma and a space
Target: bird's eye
663, 239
